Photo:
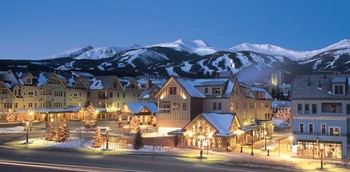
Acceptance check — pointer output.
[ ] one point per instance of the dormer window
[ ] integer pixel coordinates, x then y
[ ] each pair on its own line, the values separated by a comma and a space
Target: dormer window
338, 89
338, 85
261, 95
29, 80
216, 91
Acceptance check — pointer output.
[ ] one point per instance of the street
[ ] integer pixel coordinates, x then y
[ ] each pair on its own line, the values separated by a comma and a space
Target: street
43, 160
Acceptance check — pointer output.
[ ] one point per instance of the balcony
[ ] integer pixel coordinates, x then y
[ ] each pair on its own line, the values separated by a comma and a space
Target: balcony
320, 134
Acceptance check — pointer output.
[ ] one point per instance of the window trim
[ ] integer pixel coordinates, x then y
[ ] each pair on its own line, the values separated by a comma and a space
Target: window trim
172, 90
302, 128
313, 128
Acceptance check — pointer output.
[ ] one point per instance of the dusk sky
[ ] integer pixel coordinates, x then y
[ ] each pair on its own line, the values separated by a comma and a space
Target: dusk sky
39, 28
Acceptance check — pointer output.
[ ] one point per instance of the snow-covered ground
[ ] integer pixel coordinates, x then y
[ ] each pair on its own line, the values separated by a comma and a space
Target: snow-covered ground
76, 143
279, 122
12, 129
72, 143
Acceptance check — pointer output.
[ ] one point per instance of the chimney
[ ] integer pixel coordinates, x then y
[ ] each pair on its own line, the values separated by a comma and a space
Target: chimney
149, 83
308, 82
319, 83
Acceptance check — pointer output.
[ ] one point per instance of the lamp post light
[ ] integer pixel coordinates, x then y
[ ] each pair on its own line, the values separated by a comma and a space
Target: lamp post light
27, 132
47, 121
321, 153
107, 137
252, 153
265, 132
321, 160
30, 118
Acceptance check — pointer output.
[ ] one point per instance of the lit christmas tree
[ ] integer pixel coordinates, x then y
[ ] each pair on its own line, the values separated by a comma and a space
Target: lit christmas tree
138, 141
10, 117
63, 132
90, 117
50, 134
123, 143
97, 139
134, 125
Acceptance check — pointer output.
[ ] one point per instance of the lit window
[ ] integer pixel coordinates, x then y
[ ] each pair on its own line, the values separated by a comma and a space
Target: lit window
172, 90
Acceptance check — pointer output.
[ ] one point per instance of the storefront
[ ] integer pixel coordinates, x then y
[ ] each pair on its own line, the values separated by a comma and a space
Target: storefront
211, 130
316, 149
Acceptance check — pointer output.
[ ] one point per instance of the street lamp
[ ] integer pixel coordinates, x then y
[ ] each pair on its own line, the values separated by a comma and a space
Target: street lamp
27, 130
30, 118
107, 137
265, 132
47, 121
318, 148
252, 153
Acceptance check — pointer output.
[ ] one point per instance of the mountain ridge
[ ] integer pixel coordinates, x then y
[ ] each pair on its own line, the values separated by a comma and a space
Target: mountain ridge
183, 58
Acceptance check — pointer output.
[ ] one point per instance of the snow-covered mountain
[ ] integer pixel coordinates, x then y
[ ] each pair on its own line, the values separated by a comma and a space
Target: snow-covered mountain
192, 59
196, 46
104, 52
270, 50
71, 52
292, 54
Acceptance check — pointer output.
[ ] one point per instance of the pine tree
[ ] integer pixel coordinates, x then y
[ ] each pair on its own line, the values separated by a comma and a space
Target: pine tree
97, 139
90, 117
138, 141
50, 134
63, 132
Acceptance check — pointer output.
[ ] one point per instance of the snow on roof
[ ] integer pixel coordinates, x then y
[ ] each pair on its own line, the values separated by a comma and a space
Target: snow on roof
222, 122
339, 79
145, 94
42, 79
188, 85
71, 81
136, 107
96, 84
19, 74
279, 104
80, 74
229, 88
257, 89
9, 85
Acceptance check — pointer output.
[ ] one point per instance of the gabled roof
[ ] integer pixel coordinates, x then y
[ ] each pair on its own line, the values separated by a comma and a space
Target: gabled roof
222, 122
126, 82
339, 79
146, 94
256, 89
190, 86
103, 82
8, 88
136, 107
